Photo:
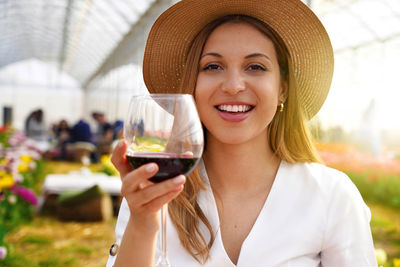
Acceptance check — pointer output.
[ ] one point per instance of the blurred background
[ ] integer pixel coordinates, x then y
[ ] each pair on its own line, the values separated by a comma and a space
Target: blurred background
67, 71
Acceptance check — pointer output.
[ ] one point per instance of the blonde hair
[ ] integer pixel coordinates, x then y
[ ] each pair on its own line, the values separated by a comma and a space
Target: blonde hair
289, 144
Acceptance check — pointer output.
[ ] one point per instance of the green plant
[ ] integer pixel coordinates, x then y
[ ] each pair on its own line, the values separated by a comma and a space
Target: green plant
377, 187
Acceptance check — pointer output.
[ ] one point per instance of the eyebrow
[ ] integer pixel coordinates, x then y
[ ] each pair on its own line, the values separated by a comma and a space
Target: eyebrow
258, 55
211, 54
248, 56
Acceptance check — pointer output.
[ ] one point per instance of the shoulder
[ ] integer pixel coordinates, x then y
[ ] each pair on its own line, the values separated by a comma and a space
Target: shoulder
329, 191
321, 182
319, 175
312, 169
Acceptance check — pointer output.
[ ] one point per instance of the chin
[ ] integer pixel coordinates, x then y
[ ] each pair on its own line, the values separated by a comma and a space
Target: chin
231, 137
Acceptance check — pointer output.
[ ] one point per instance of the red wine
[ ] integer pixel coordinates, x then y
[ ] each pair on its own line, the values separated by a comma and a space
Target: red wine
169, 165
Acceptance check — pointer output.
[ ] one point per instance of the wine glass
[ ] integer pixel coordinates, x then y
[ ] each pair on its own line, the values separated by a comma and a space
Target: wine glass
164, 129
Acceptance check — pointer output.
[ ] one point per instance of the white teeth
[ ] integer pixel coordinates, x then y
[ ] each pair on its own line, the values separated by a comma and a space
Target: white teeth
234, 108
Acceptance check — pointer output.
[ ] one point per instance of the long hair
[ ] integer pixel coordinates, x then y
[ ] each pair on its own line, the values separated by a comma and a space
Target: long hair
288, 136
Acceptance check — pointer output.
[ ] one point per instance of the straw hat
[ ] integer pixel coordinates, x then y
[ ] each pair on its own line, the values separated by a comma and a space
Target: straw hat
310, 59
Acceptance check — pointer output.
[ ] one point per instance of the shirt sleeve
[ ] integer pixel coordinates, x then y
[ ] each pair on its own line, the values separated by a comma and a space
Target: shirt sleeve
348, 239
122, 221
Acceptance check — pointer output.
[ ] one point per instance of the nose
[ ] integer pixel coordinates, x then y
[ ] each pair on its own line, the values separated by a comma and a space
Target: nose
233, 83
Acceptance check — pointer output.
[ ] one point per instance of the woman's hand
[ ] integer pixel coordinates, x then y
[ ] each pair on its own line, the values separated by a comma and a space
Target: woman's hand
144, 198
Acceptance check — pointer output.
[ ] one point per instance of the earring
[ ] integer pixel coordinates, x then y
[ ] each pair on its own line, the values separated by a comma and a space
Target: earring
281, 107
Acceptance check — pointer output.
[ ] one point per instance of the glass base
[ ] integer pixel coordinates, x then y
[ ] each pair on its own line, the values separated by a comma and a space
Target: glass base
162, 262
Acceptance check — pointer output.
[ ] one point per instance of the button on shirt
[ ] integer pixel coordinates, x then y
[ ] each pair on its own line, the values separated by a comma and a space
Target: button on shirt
313, 216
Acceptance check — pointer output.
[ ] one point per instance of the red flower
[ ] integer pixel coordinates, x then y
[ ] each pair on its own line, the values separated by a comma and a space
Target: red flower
4, 128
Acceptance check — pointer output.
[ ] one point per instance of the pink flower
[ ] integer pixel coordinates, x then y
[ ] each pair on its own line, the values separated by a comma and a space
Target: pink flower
18, 178
12, 199
3, 253
16, 139
26, 194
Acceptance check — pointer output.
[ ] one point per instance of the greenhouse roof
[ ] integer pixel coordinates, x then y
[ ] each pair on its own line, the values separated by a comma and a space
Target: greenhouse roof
78, 35
81, 36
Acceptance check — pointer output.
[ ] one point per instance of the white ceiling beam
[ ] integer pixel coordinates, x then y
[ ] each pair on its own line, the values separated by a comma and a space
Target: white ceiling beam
131, 47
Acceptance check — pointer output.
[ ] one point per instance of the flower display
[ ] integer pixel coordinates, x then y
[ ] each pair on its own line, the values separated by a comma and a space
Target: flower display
108, 167
19, 161
17, 157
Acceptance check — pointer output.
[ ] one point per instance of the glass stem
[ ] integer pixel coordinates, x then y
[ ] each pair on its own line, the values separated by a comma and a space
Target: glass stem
164, 211
162, 259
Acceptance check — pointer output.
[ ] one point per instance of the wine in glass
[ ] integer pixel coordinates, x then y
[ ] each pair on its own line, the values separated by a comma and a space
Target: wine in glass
164, 129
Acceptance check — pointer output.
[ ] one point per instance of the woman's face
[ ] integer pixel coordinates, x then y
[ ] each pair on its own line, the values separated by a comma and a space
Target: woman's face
238, 86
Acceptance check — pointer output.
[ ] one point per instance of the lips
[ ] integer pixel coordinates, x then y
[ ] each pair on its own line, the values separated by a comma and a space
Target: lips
234, 112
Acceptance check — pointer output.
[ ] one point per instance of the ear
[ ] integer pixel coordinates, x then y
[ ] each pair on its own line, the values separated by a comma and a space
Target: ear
283, 92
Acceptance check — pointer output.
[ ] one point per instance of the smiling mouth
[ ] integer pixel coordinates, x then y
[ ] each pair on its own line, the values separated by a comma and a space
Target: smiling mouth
234, 108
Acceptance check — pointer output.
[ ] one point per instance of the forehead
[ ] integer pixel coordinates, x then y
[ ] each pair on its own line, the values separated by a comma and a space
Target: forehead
238, 35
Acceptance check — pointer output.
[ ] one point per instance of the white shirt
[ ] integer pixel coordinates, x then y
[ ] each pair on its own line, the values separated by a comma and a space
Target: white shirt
313, 216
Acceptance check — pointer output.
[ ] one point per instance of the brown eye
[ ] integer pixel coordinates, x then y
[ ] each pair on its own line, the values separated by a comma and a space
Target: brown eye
212, 67
257, 67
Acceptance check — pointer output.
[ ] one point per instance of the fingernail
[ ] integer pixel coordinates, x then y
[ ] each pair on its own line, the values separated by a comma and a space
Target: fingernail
150, 167
179, 179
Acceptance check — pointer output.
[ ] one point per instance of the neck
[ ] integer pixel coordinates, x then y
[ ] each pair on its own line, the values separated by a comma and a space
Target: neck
240, 168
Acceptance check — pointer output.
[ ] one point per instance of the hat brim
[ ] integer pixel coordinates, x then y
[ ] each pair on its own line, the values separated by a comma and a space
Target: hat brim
308, 44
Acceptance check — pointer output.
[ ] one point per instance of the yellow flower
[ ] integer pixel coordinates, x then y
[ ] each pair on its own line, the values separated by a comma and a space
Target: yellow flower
6, 180
3, 162
381, 256
396, 262
23, 168
26, 158
106, 161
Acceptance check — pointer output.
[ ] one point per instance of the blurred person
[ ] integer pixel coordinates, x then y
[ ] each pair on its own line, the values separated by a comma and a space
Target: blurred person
82, 145
35, 129
104, 128
62, 132
104, 134
62, 136
81, 132
34, 126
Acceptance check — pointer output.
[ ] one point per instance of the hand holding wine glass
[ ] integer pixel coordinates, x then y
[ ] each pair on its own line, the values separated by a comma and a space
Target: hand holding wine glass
164, 129
144, 200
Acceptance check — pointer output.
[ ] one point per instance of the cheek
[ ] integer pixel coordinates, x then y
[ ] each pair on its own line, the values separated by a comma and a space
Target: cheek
205, 82
203, 90
201, 100
268, 92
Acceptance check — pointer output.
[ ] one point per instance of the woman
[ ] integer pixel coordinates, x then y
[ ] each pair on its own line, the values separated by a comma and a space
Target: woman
34, 126
258, 71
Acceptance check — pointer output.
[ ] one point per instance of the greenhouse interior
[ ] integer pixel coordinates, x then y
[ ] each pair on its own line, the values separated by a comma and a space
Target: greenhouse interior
71, 62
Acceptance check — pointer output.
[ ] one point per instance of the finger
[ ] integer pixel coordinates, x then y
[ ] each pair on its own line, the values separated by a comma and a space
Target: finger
145, 184
132, 181
187, 154
158, 190
157, 203
118, 158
